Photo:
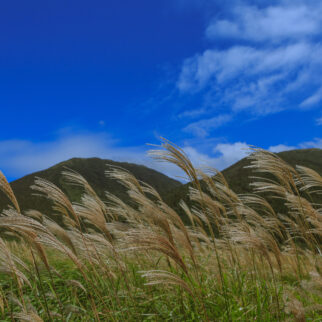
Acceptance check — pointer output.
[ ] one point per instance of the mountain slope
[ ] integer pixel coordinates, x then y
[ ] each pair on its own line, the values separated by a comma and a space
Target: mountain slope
92, 169
170, 190
237, 175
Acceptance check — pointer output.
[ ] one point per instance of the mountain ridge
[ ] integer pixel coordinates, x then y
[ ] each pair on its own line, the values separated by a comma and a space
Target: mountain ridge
171, 190
93, 170
237, 175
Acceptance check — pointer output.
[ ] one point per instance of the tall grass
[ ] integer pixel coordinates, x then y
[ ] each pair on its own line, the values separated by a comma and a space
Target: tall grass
238, 259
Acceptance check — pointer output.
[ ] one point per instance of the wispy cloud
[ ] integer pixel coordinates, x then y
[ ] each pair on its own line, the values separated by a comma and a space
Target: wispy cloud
20, 157
271, 59
202, 127
281, 147
230, 153
273, 23
191, 113
315, 98
222, 155
315, 144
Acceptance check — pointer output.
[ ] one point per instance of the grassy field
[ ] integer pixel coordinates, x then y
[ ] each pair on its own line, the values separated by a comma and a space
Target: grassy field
236, 260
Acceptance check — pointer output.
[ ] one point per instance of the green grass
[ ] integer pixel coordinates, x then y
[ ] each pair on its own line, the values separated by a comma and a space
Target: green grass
93, 170
249, 299
232, 259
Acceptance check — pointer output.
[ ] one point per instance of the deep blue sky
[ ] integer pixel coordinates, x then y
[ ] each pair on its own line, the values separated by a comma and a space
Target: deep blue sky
103, 78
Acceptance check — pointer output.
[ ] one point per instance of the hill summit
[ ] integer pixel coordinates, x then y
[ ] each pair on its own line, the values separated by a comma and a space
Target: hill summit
238, 175
172, 191
93, 170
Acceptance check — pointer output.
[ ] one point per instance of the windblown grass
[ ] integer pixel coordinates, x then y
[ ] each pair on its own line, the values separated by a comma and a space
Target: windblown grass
237, 260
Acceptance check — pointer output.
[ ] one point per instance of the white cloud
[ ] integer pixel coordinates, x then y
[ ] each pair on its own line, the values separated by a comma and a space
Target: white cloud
315, 144
223, 155
245, 76
271, 59
20, 157
280, 148
202, 127
319, 121
273, 23
230, 153
198, 158
226, 154
192, 113
313, 99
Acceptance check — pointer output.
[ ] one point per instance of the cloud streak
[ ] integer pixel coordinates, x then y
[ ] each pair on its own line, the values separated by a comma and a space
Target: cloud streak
273, 23
21, 157
222, 155
203, 127
261, 60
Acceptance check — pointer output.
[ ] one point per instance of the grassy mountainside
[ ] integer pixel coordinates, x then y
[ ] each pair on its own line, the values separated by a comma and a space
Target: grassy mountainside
145, 264
92, 169
171, 190
238, 177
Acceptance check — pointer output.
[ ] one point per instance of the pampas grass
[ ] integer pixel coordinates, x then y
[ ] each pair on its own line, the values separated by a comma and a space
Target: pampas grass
238, 259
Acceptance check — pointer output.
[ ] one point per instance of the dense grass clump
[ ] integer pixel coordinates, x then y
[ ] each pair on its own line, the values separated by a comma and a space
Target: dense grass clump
237, 259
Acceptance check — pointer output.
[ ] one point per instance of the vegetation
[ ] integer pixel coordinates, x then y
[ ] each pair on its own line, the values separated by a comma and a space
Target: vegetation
239, 177
237, 259
92, 169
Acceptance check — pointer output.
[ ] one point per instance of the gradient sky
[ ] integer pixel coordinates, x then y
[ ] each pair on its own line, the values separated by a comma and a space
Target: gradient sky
103, 78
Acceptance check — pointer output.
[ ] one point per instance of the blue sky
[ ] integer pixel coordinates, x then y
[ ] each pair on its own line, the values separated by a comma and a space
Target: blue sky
103, 78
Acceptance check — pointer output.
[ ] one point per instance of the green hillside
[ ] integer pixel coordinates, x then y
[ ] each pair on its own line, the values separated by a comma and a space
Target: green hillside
92, 169
171, 190
237, 175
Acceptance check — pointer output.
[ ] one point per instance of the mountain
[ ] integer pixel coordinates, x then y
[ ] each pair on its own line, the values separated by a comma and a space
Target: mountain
92, 169
237, 175
171, 191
